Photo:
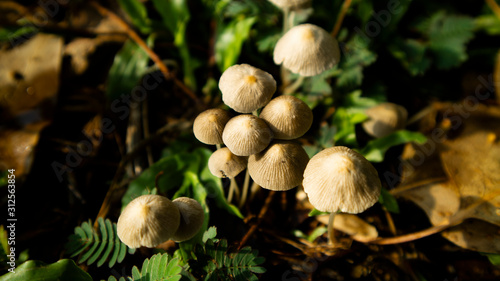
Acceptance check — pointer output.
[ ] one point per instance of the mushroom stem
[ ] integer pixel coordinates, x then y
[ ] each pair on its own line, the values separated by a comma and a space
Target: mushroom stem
233, 189
245, 190
285, 74
294, 86
331, 231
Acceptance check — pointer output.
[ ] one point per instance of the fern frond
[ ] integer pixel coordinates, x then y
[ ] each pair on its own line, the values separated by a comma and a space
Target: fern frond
101, 244
160, 267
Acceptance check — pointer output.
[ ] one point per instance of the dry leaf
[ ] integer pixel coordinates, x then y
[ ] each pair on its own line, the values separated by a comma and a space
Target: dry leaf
29, 73
353, 225
471, 162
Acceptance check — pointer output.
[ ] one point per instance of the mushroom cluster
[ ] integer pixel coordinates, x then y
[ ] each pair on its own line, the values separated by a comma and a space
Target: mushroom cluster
150, 220
265, 143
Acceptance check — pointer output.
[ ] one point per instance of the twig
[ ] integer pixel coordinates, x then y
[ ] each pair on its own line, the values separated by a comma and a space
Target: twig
496, 77
262, 212
340, 18
494, 7
137, 39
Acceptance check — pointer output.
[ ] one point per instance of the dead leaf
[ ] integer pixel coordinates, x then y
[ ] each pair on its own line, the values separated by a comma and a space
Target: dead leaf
470, 160
353, 225
29, 73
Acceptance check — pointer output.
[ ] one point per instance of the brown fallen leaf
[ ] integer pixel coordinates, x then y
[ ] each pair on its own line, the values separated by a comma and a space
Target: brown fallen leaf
470, 160
352, 225
29, 73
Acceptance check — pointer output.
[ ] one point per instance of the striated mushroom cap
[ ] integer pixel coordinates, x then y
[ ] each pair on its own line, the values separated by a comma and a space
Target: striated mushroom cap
246, 134
280, 166
192, 217
224, 164
246, 88
339, 178
385, 119
291, 4
148, 221
307, 49
209, 124
288, 117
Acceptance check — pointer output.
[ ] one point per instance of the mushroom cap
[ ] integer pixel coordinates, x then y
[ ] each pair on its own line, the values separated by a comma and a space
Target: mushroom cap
280, 166
224, 164
246, 88
384, 119
290, 4
192, 217
307, 49
209, 124
288, 117
148, 220
246, 134
339, 178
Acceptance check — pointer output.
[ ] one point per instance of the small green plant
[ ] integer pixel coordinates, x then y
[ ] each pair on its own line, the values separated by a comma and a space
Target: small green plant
101, 244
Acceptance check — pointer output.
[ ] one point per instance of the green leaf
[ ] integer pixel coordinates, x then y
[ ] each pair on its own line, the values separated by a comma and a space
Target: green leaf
411, 54
315, 212
97, 244
65, 269
129, 65
210, 233
344, 121
137, 13
493, 258
230, 39
317, 232
489, 23
374, 151
11, 34
388, 201
357, 56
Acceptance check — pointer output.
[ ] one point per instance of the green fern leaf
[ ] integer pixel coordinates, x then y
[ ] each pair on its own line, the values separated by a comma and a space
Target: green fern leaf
160, 267
99, 244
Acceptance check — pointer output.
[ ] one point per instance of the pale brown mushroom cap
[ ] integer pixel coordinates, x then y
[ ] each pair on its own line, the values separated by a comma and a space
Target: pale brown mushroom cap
280, 166
290, 4
307, 49
246, 88
224, 164
148, 221
339, 178
384, 119
192, 217
288, 117
246, 134
209, 124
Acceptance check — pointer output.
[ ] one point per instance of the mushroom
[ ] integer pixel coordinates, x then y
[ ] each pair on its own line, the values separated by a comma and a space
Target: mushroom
290, 4
224, 164
385, 119
246, 88
148, 220
280, 166
209, 124
288, 117
340, 179
246, 134
307, 49
192, 217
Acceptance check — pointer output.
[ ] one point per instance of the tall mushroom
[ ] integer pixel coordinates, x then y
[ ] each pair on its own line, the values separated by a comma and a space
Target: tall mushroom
307, 49
280, 166
147, 221
340, 179
288, 117
246, 88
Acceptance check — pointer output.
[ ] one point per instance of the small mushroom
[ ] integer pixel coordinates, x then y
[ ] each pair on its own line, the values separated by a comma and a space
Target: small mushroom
246, 88
192, 217
291, 4
246, 134
385, 119
307, 49
280, 166
224, 164
340, 179
288, 117
148, 221
209, 124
